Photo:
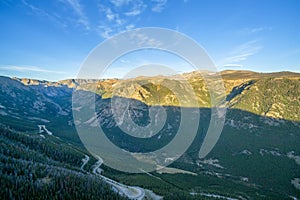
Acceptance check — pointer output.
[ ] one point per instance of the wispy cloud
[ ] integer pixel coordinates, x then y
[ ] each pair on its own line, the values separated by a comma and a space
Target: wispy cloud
122, 15
232, 65
105, 31
133, 12
254, 30
114, 16
77, 8
145, 40
7, 2
30, 69
112, 22
159, 5
242, 52
259, 29
119, 3
109, 15
42, 13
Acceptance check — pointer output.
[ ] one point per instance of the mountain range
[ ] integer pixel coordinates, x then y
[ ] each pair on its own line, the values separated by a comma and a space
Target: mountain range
256, 157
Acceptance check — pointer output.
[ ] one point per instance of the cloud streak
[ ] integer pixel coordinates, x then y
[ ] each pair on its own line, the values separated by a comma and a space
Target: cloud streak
78, 10
159, 5
233, 65
41, 12
122, 15
30, 69
114, 16
254, 30
242, 52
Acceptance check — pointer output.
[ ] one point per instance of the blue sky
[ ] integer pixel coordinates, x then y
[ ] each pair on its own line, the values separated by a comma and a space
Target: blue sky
50, 39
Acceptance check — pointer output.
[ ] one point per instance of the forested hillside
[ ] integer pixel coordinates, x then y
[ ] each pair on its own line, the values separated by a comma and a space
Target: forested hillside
36, 167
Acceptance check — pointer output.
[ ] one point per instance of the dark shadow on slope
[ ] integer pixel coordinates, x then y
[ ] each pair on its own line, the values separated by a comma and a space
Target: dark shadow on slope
238, 90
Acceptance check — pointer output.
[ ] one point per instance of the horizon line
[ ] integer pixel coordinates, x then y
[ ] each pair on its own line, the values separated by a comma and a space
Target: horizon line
159, 75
